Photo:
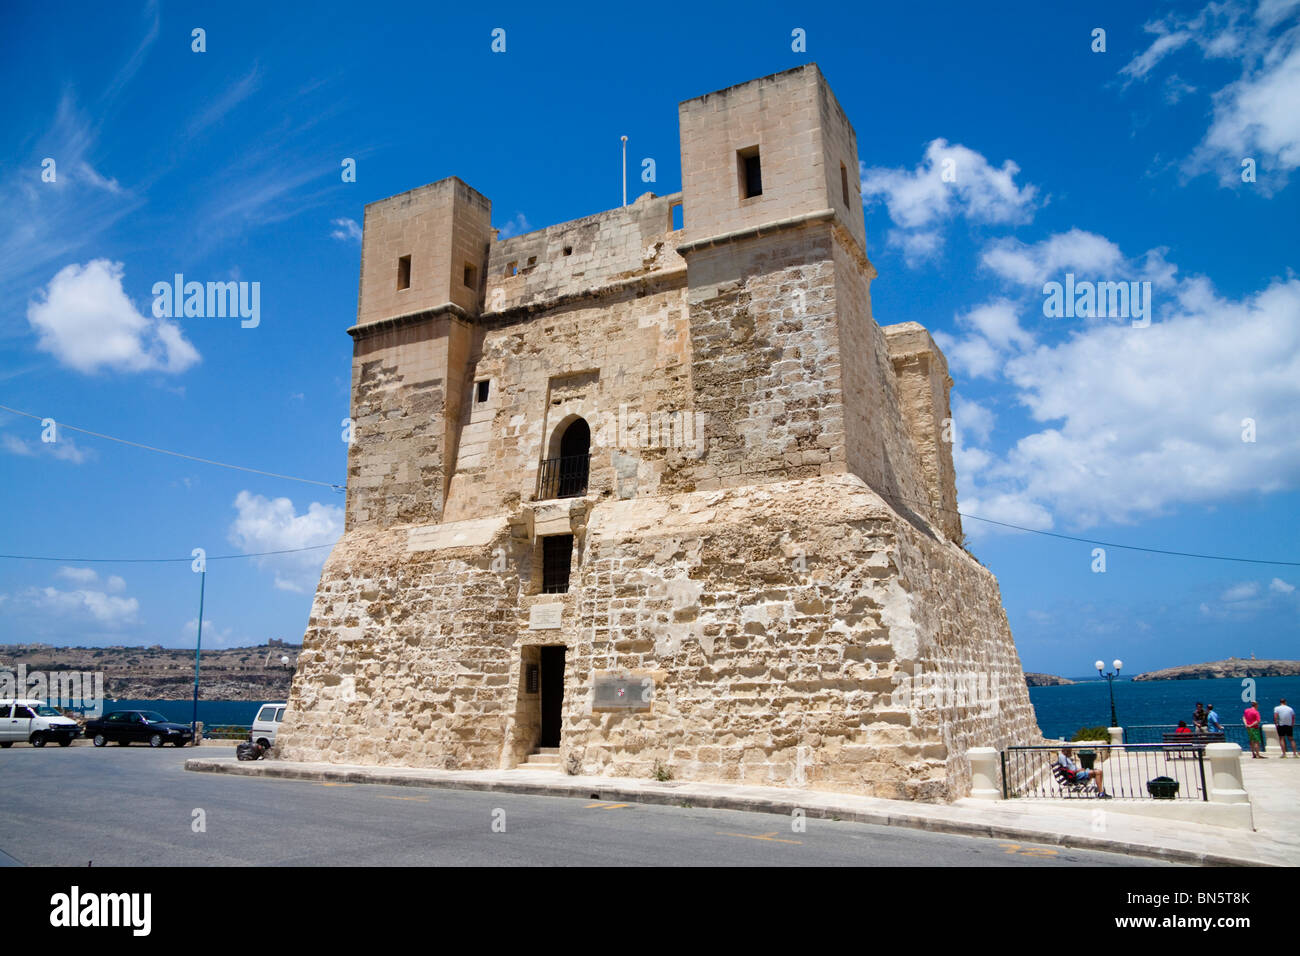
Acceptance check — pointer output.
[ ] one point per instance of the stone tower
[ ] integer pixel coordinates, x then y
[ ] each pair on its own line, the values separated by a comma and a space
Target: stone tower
626, 493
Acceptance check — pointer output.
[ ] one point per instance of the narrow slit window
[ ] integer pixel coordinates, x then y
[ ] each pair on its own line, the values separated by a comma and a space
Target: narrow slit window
557, 559
676, 218
404, 272
751, 173
471, 277
481, 391
844, 184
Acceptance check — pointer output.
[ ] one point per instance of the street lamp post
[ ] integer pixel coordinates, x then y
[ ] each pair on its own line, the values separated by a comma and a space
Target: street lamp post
1110, 680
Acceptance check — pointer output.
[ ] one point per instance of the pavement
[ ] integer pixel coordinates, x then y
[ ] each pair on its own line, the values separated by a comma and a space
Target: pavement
1272, 784
133, 806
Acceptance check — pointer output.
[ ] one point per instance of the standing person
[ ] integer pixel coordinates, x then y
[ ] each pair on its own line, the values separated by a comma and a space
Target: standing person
1198, 718
1212, 721
1254, 730
1284, 719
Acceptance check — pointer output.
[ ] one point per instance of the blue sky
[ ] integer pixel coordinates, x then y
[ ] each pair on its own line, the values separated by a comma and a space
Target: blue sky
1115, 165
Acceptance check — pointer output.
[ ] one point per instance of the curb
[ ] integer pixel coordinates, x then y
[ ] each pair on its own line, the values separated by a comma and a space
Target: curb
672, 795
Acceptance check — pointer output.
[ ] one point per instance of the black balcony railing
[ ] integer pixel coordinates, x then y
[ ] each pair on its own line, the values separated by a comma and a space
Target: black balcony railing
564, 477
1133, 772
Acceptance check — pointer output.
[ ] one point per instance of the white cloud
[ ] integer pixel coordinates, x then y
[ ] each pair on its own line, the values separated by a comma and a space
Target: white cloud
83, 604
1142, 419
1240, 592
920, 201
65, 449
514, 227
86, 320
1084, 253
264, 524
1258, 114
213, 636
345, 230
79, 575
971, 418
1280, 586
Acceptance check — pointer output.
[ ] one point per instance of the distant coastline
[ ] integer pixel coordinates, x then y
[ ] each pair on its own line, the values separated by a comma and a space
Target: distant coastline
1046, 680
1232, 667
167, 673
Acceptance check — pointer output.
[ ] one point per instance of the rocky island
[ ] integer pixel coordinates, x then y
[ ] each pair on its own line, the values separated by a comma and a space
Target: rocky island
1232, 667
1046, 680
167, 673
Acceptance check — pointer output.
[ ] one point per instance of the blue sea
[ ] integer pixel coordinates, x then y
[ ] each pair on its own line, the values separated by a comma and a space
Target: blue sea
1061, 710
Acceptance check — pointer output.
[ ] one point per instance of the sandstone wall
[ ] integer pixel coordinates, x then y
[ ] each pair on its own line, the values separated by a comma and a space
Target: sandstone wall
797, 634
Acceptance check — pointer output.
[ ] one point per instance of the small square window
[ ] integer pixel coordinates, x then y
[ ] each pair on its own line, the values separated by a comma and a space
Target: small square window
471, 277
512, 268
751, 173
404, 272
481, 390
676, 217
568, 250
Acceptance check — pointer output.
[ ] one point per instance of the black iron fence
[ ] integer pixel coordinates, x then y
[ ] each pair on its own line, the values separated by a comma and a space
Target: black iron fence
1158, 733
1131, 772
564, 477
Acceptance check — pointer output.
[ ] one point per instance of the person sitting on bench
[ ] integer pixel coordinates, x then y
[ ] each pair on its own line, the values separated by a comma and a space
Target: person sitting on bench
1075, 774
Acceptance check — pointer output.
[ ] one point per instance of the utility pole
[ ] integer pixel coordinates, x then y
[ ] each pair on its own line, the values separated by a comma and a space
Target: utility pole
198, 644
624, 170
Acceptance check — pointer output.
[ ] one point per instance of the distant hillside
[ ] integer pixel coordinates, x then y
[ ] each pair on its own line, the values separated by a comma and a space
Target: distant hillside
1232, 667
167, 673
1046, 680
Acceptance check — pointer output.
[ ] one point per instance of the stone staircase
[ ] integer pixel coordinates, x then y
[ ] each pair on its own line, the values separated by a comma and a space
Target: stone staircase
543, 758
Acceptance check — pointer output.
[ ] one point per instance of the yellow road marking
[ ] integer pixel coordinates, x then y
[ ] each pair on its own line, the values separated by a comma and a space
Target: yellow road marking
765, 837
328, 784
1016, 848
607, 806
417, 799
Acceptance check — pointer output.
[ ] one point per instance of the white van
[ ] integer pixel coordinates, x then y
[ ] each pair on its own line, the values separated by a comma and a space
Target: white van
35, 722
266, 723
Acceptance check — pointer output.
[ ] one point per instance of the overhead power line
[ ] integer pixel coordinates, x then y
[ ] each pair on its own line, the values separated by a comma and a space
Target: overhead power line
175, 454
188, 558
338, 487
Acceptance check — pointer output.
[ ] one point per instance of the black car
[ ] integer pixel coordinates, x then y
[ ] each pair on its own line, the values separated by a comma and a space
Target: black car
127, 726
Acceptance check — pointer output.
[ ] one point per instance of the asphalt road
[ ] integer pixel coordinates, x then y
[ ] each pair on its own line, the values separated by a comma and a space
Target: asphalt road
133, 806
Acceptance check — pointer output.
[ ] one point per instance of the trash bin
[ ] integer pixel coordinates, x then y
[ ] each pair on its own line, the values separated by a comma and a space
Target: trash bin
1162, 788
1087, 758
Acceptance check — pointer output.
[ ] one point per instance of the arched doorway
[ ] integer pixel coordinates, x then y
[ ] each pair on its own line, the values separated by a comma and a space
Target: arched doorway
564, 475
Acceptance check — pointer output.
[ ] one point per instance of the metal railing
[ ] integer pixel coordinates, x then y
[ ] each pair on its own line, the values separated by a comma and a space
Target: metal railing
564, 477
1130, 772
1155, 733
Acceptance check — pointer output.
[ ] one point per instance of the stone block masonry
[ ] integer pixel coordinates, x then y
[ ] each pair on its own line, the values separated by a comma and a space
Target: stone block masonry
786, 591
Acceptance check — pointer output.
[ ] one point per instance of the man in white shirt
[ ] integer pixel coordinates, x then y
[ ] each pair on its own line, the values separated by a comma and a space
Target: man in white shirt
1284, 720
1078, 775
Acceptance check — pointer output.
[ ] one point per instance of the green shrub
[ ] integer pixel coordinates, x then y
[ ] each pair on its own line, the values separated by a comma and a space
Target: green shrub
1100, 734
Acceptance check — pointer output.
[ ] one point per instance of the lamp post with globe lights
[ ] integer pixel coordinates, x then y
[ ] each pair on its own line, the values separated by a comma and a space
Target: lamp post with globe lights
1110, 680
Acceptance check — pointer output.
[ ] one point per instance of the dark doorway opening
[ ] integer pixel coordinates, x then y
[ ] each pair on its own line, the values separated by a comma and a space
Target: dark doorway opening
552, 695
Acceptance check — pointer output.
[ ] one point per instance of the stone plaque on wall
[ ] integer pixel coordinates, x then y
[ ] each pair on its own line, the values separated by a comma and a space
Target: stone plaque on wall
544, 617
634, 693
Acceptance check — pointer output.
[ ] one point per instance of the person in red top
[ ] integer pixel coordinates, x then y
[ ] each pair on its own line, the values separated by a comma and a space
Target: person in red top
1254, 728
1183, 728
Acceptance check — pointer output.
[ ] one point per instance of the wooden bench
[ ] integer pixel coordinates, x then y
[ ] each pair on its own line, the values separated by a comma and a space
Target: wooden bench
1192, 738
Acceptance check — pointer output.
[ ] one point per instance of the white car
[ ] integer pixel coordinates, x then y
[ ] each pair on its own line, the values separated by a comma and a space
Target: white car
266, 723
35, 722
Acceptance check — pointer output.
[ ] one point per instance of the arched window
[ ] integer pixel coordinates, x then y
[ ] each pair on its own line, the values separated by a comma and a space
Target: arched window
564, 475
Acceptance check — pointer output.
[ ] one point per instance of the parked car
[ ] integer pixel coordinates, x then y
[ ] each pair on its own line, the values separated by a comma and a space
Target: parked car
128, 726
266, 723
34, 722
